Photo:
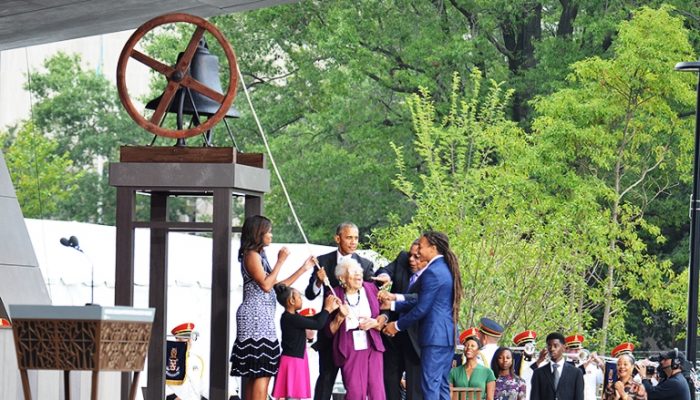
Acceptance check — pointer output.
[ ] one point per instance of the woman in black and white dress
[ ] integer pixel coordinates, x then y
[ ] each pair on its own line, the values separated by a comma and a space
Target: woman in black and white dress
256, 351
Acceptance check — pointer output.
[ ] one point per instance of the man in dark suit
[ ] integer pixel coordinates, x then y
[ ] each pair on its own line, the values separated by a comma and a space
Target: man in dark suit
347, 237
557, 379
402, 352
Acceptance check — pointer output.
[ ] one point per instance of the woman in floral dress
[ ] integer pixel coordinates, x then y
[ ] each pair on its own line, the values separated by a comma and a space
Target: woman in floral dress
508, 385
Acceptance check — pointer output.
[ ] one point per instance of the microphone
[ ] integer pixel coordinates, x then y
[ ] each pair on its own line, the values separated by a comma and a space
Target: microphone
73, 242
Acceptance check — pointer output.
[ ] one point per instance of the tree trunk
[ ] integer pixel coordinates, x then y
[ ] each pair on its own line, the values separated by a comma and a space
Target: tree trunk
608, 304
519, 40
565, 27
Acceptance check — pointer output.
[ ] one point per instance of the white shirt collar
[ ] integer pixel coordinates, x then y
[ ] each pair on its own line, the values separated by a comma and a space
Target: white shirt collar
340, 257
433, 259
560, 363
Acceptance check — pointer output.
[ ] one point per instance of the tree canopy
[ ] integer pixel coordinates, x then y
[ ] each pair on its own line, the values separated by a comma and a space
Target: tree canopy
550, 139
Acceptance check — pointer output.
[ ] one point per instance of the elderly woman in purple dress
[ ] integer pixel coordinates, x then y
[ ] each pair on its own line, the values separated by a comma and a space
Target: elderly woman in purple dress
357, 343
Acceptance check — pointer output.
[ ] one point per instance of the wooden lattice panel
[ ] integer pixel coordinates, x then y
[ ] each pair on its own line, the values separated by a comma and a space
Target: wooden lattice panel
55, 344
123, 345
81, 345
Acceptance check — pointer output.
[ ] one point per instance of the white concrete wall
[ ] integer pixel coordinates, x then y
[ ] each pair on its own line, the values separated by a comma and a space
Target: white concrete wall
98, 53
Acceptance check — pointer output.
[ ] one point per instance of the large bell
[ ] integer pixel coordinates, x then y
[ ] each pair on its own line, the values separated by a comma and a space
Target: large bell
204, 68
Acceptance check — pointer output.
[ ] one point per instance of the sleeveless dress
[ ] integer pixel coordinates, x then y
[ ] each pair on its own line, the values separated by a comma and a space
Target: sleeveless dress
256, 351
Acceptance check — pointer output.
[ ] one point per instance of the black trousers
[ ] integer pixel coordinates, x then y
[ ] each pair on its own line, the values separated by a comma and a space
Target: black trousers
400, 357
327, 372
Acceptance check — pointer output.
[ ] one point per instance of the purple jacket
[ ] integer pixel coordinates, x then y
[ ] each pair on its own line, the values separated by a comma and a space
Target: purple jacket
342, 340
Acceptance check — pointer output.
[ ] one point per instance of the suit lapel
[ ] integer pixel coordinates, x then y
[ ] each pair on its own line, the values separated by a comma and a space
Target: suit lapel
565, 372
330, 271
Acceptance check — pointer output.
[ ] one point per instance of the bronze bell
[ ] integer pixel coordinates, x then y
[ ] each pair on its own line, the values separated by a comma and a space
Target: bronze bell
204, 68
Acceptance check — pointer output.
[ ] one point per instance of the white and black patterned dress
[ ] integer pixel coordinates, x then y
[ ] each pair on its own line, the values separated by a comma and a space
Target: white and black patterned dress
256, 350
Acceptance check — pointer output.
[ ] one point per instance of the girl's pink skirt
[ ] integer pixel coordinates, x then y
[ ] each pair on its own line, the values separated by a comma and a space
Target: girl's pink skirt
292, 380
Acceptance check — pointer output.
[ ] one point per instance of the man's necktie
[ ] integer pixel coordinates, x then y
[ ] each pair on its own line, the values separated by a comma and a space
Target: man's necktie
556, 375
412, 280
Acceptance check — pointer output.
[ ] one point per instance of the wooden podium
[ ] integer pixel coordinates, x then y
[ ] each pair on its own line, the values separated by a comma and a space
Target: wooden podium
86, 338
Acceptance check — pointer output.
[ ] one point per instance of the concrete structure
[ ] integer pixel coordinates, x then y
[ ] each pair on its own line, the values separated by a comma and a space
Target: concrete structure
31, 22
21, 282
97, 53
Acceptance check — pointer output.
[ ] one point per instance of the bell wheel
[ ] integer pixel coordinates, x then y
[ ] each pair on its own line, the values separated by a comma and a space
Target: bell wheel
178, 76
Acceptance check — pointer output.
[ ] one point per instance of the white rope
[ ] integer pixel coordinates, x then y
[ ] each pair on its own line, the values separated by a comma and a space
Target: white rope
272, 159
277, 171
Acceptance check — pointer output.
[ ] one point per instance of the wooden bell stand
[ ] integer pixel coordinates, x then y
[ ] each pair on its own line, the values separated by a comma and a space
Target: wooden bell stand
163, 172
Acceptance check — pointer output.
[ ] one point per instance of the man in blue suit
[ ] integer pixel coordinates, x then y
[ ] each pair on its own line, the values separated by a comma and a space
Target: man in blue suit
434, 310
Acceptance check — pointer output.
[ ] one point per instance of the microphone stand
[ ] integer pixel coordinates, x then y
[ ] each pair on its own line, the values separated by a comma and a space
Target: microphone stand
92, 277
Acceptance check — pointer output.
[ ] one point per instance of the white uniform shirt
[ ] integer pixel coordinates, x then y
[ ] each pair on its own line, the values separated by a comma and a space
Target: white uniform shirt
526, 373
487, 353
591, 380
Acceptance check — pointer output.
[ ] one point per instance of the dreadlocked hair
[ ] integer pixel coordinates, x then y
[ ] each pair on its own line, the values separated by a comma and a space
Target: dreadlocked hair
442, 243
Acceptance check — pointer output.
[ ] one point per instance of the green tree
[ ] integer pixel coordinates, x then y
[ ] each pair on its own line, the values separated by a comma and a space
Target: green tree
80, 112
618, 124
334, 75
519, 245
43, 179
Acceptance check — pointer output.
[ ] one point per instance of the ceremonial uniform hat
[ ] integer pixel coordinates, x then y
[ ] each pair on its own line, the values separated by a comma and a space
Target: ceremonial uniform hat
307, 312
524, 337
468, 333
5, 323
183, 330
574, 341
624, 348
490, 327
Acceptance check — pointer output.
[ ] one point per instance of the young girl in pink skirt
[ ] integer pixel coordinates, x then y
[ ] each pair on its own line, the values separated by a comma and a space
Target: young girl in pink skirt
292, 380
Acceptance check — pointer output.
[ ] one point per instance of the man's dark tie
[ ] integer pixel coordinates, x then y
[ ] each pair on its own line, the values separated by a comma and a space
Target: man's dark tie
556, 375
412, 280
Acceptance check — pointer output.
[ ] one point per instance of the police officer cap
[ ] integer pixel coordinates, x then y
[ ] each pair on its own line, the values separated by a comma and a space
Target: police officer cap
490, 327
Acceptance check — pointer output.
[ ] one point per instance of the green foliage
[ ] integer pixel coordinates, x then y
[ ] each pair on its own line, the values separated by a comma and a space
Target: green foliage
550, 228
617, 125
584, 217
519, 247
43, 178
80, 113
333, 75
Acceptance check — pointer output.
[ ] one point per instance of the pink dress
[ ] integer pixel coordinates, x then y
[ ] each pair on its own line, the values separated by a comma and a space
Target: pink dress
293, 380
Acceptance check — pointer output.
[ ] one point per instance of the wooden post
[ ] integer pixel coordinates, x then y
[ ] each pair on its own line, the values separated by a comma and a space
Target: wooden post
220, 295
124, 275
157, 297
